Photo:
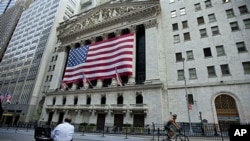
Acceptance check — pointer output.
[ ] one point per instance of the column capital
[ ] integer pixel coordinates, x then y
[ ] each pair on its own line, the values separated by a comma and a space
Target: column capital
150, 23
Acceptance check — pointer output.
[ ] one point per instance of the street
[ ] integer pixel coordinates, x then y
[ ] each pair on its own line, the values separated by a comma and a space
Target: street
23, 135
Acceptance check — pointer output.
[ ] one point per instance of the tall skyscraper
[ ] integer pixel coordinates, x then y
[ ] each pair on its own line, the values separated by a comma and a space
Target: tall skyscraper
25, 60
8, 22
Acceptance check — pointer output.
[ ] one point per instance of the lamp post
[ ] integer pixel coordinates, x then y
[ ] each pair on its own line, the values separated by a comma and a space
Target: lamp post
185, 83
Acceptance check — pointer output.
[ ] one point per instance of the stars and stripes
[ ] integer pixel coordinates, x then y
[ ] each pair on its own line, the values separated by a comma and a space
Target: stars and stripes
97, 60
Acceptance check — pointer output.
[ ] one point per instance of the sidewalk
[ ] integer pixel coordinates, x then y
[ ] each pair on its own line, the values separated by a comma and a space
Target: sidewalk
78, 136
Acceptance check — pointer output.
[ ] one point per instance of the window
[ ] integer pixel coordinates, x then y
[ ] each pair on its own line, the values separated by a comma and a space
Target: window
246, 67
190, 99
190, 55
230, 13
243, 9
88, 102
211, 18
75, 100
175, 26
54, 101
207, 52
215, 30
103, 100
241, 47
200, 20
203, 32
226, 1
173, 14
182, 11
197, 6
192, 73
178, 57
234, 26
186, 36
208, 3
64, 101
220, 50
184, 24
225, 69
176, 38
211, 71
180, 74
247, 23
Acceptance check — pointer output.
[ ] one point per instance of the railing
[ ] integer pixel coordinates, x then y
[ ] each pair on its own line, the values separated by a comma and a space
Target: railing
203, 131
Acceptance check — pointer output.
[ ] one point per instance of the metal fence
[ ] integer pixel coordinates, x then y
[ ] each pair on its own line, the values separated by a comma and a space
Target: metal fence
202, 131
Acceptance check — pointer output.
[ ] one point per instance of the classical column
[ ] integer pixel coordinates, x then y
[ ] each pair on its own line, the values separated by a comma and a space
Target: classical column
99, 84
131, 79
152, 66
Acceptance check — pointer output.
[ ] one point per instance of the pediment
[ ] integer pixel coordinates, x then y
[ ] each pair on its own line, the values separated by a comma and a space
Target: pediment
107, 14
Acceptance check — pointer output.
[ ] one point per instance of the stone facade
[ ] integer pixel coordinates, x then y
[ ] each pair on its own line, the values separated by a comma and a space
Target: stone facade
163, 92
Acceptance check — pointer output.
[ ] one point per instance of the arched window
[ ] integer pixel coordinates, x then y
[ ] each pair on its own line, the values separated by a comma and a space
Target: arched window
139, 99
54, 101
103, 100
88, 100
75, 100
226, 108
120, 99
64, 100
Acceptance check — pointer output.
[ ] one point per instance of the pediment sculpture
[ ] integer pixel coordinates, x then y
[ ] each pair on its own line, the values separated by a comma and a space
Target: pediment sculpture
106, 14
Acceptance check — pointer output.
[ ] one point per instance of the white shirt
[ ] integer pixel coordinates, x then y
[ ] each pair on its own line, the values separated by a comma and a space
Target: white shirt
63, 132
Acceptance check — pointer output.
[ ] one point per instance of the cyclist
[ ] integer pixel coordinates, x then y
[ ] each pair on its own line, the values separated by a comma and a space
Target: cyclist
169, 127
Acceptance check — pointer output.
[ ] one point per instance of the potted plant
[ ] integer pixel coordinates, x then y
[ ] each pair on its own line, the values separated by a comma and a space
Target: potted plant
82, 126
91, 127
126, 128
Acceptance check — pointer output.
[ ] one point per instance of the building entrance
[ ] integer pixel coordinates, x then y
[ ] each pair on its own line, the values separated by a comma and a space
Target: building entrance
118, 120
139, 120
100, 121
226, 109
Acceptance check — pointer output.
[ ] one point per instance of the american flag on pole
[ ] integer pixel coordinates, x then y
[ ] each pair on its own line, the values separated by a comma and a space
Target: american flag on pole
63, 85
97, 60
8, 97
118, 78
84, 80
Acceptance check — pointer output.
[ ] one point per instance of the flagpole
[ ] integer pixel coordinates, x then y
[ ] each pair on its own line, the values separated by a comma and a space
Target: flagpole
185, 83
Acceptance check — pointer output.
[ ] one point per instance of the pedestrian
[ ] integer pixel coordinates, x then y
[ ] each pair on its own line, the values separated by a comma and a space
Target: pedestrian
63, 131
170, 125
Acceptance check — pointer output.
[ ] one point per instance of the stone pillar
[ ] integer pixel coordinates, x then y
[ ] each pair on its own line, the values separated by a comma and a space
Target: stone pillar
99, 84
78, 118
74, 86
152, 53
131, 79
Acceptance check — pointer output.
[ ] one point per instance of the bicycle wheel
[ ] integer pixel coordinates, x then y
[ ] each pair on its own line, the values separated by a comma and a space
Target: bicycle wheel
181, 138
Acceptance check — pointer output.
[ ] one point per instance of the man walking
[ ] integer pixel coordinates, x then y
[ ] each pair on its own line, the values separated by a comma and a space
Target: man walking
63, 131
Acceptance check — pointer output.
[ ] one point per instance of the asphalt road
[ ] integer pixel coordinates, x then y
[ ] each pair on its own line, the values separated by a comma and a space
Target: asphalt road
23, 135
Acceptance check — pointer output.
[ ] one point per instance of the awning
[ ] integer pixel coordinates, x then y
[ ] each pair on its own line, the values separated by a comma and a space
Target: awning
7, 114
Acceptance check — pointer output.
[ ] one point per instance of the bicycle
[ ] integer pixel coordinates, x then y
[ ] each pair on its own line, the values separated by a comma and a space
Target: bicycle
178, 137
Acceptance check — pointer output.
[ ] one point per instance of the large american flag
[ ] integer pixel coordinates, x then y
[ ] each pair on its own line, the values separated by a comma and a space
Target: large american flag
101, 60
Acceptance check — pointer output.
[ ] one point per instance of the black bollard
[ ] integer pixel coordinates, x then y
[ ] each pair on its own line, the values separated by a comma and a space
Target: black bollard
126, 133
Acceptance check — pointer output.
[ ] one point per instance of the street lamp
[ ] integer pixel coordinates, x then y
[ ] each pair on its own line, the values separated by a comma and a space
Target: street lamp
185, 83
